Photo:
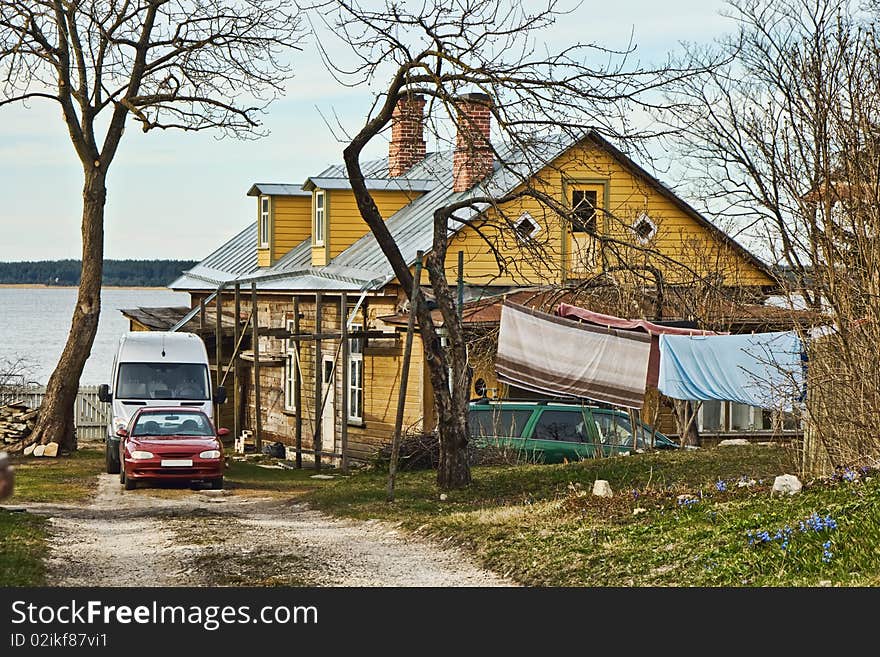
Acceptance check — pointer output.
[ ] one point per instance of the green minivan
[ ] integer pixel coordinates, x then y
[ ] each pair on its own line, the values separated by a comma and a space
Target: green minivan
553, 432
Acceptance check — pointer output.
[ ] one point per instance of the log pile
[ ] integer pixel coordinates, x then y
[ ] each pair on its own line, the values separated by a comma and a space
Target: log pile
16, 422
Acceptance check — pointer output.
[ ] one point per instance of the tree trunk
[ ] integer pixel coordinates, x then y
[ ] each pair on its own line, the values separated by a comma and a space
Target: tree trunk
450, 400
55, 421
686, 421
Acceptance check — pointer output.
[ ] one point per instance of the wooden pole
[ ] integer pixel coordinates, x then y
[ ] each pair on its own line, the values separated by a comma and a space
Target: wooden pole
236, 381
343, 447
297, 393
404, 377
202, 313
218, 349
319, 366
258, 426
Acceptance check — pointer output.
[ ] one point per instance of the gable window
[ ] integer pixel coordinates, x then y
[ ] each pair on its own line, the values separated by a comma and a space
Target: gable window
526, 227
583, 206
264, 222
320, 218
291, 358
644, 228
356, 376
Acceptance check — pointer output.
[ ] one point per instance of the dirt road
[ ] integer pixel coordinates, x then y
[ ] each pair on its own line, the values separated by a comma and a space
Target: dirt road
150, 537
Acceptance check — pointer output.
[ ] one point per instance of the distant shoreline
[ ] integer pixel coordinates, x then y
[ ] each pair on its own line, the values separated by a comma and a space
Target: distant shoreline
43, 286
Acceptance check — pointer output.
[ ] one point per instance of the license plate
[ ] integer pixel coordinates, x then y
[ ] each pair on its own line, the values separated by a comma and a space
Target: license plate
177, 463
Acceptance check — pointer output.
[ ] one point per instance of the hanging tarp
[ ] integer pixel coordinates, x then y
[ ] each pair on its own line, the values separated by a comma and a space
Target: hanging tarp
759, 369
653, 329
561, 357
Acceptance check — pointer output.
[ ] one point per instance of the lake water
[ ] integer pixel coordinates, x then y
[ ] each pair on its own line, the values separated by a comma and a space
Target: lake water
36, 322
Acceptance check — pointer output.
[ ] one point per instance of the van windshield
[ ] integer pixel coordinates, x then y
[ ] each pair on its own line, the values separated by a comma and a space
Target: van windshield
187, 381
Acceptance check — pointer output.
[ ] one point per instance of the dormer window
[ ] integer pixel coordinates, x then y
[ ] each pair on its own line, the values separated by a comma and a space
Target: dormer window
320, 218
264, 222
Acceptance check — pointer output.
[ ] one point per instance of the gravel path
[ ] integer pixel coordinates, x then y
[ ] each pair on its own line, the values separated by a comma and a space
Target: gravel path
191, 538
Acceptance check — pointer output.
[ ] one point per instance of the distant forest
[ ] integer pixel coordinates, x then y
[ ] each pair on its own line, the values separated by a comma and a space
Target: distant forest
126, 273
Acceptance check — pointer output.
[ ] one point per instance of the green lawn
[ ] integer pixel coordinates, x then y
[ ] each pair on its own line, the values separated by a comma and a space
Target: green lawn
23, 535
22, 549
65, 479
542, 526
250, 476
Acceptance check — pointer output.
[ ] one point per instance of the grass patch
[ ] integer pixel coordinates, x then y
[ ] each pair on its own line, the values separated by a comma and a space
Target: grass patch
542, 526
249, 475
22, 549
64, 479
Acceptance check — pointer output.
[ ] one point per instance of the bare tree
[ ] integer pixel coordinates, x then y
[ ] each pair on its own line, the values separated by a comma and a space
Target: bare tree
167, 64
483, 54
784, 137
15, 374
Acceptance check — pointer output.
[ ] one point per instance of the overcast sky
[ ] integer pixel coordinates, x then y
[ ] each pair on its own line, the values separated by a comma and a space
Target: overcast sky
175, 195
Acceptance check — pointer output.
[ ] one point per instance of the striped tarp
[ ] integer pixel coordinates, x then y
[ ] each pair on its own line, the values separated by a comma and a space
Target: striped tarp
561, 357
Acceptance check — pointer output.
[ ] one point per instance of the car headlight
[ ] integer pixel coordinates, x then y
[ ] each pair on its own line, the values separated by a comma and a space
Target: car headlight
210, 454
138, 455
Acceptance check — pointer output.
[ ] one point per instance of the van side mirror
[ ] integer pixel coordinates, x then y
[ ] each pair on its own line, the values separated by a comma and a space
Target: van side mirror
220, 395
104, 393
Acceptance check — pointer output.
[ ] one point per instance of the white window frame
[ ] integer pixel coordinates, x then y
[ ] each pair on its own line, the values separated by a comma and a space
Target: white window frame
355, 391
320, 227
722, 419
526, 217
265, 221
290, 379
643, 217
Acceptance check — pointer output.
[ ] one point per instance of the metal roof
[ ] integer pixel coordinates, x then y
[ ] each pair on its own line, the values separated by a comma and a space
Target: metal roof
277, 189
237, 257
377, 184
363, 265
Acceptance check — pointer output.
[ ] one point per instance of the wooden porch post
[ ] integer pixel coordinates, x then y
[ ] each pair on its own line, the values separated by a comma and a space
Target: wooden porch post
297, 393
258, 427
319, 366
236, 382
343, 314
404, 376
218, 350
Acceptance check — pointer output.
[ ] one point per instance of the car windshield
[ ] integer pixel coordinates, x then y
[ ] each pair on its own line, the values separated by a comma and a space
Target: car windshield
174, 423
616, 430
178, 381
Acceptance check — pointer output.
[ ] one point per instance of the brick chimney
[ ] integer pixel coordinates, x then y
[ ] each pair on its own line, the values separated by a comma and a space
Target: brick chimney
473, 159
407, 146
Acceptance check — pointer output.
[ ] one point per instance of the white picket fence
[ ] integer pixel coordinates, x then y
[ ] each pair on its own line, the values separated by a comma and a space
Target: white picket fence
90, 414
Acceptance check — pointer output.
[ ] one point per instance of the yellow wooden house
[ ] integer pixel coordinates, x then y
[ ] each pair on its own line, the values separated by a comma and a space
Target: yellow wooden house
313, 265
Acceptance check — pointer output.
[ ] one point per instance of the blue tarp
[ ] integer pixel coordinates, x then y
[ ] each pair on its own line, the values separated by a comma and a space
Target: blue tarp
760, 369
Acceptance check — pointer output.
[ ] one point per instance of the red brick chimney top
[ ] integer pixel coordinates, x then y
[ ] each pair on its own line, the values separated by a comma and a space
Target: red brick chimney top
407, 146
473, 159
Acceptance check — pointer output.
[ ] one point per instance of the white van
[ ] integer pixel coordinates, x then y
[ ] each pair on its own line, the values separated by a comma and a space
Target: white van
156, 368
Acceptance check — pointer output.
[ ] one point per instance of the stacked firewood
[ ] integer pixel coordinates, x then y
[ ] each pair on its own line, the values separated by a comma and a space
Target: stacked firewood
16, 421
16, 424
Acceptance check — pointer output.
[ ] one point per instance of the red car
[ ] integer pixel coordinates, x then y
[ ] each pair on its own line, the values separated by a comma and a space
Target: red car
171, 444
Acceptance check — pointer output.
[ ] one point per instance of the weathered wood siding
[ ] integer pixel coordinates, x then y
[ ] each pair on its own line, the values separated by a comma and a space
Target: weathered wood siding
382, 370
